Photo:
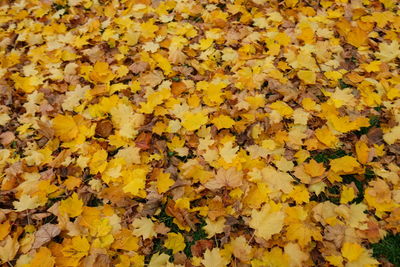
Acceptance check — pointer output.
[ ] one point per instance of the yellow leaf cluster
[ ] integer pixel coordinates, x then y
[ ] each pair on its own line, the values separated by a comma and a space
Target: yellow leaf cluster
198, 133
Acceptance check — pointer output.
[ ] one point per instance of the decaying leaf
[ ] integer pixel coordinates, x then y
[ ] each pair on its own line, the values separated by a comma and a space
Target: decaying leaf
45, 234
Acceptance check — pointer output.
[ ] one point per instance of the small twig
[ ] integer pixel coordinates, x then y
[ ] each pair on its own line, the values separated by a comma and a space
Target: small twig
251, 238
27, 217
319, 66
308, 3
316, 61
175, 186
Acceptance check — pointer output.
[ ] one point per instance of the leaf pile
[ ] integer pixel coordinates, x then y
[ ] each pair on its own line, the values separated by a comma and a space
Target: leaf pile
199, 133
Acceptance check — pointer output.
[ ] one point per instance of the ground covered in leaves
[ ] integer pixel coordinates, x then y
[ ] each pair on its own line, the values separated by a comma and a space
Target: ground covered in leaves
199, 133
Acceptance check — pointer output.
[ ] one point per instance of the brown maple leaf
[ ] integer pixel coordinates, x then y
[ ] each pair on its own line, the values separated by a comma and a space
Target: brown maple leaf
143, 140
230, 177
45, 234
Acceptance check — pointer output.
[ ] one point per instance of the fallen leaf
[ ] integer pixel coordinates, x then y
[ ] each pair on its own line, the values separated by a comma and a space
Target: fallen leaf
45, 234
230, 178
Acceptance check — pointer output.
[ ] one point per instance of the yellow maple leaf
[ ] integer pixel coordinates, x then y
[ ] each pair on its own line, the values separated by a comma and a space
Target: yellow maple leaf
302, 232
343, 97
143, 227
274, 258
77, 248
4, 118
9, 249
164, 182
212, 92
352, 251
373, 66
291, 3
159, 260
296, 255
4, 229
326, 137
26, 84
130, 155
71, 206
126, 120
175, 241
362, 151
72, 182
392, 136
344, 124
347, 194
378, 195
125, 240
356, 216
333, 75
307, 35
228, 152
266, 222
26, 202
345, 165
135, 181
314, 168
300, 194
101, 73
335, 260
193, 121
388, 52
65, 127
212, 228
284, 109
223, 121
307, 76
277, 180
74, 96
43, 258
309, 104
148, 29
163, 63
100, 228
357, 37
241, 249
205, 43
213, 258
98, 163
365, 259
